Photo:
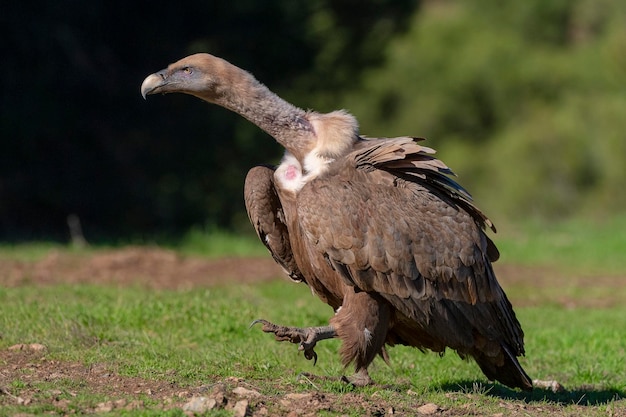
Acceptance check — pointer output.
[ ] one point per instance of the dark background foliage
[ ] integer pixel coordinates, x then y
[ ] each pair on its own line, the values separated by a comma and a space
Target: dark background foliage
524, 100
77, 138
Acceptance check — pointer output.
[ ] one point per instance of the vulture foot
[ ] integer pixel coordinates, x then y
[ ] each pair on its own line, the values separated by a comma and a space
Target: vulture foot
360, 379
305, 337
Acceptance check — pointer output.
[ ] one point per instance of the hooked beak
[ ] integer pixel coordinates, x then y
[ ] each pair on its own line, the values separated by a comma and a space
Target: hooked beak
153, 83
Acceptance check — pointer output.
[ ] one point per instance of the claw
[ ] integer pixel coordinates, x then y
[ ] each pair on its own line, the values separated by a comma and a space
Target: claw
309, 353
257, 321
268, 327
306, 338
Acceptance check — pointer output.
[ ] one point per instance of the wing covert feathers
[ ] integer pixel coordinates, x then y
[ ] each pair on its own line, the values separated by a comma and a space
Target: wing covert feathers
405, 158
266, 215
391, 221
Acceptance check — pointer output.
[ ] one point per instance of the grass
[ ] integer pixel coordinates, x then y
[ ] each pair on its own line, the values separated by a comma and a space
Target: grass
581, 245
30, 251
214, 242
192, 338
208, 242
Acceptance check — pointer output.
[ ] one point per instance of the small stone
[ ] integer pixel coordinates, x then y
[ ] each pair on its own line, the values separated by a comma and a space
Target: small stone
552, 385
200, 404
244, 392
219, 394
428, 409
37, 347
241, 408
105, 407
296, 396
19, 346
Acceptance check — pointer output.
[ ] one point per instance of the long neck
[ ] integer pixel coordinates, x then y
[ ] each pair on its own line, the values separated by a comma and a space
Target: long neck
285, 122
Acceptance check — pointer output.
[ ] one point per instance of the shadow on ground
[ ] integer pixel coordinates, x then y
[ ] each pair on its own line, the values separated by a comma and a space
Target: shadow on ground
582, 396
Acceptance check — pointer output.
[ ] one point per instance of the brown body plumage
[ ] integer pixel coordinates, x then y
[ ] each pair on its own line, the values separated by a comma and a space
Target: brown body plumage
375, 227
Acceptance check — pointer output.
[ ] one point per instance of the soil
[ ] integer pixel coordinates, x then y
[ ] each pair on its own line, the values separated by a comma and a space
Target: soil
157, 268
153, 268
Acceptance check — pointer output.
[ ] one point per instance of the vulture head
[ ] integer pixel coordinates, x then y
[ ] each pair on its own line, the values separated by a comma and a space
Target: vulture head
202, 75
217, 81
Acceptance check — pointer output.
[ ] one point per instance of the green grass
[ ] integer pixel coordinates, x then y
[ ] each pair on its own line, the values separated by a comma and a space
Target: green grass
585, 246
31, 251
213, 242
148, 333
197, 337
207, 242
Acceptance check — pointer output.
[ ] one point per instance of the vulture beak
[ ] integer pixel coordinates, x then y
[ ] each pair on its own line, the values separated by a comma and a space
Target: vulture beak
153, 83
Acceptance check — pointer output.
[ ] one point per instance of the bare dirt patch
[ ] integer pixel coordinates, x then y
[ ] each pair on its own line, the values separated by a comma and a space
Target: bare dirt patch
29, 378
53, 387
63, 388
66, 382
150, 267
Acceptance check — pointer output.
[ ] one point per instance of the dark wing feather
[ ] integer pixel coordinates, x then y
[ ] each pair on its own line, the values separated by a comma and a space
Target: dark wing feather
267, 217
393, 223
405, 158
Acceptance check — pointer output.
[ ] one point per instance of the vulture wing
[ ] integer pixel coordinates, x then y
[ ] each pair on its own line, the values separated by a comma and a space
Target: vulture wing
266, 215
400, 227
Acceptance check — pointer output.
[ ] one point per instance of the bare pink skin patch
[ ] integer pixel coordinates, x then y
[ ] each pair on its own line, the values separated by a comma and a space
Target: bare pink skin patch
292, 172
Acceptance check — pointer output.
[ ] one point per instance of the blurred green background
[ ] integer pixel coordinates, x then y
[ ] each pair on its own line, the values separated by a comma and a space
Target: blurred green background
526, 101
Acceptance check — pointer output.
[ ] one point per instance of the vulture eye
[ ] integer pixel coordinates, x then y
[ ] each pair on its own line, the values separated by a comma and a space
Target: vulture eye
187, 70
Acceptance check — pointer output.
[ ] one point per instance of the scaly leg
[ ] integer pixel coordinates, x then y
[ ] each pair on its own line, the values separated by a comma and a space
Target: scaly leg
306, 337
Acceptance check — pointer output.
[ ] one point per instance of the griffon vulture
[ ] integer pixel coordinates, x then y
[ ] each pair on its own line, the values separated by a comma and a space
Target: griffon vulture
375, 227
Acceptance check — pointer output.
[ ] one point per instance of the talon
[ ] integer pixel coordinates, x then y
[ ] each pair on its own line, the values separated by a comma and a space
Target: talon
310, 354
306, 338
257, 321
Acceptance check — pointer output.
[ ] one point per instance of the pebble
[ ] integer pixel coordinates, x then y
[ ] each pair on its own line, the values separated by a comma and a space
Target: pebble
241, 408
35, 347
428, 409
200, 404
244, 392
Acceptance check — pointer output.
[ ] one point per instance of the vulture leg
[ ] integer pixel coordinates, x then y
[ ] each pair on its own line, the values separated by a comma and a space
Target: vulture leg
361, 323
307, 337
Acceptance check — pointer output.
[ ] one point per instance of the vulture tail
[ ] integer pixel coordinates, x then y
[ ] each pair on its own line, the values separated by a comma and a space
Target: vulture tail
510, 372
